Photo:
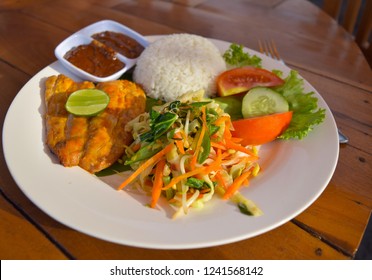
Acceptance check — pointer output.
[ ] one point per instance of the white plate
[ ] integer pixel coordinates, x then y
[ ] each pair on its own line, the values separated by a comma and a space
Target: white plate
294, 174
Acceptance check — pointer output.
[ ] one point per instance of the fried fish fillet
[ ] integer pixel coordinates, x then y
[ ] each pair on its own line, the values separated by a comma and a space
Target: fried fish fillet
92, 143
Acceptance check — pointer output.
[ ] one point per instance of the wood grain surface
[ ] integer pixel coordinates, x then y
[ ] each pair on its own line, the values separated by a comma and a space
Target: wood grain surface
308, 40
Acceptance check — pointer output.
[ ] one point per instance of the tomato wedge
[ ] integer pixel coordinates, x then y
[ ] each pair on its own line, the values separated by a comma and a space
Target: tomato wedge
242, 79
261, 130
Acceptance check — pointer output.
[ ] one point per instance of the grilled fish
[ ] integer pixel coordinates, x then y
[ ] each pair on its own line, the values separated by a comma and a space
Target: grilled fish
92, 143
107, 137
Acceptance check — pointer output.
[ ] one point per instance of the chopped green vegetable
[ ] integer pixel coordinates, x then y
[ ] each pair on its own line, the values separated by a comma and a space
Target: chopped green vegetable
159, 124
194, 183
115, 168
145, 152
245, 205
213, 129
244, 209
169, 194
235, 56
206, 147
151, 102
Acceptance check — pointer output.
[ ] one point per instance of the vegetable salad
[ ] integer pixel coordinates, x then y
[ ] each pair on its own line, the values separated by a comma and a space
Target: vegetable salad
185, 152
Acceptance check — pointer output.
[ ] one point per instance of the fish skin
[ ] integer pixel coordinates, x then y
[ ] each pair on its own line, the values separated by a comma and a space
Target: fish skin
71, 150
93, 143
107, 137
61, 129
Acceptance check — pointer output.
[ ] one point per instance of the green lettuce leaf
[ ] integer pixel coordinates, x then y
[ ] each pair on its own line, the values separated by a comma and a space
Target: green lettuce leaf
306, 113
235, 56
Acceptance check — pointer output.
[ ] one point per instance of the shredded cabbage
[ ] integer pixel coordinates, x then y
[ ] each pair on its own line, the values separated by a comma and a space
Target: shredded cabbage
199, 160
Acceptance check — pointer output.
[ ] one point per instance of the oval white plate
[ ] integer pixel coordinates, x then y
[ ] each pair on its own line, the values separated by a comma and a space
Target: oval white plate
294, 174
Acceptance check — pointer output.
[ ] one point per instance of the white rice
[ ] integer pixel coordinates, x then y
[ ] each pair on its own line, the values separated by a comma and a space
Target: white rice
179, 63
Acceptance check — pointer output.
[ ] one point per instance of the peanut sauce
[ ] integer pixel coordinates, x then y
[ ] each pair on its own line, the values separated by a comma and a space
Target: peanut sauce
121, 43
95, 59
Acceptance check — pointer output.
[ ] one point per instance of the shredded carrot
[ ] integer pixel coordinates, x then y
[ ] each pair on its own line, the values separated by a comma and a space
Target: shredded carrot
148, 163
236, 140
215, 136
180, 147
216, 165
193, 163
227, 134
184, 176
218, 145
225, 155
227, 120
236, 185
203, 191
222, 119
237, 147
136, 147
179, 142
158, 182
220, 180
241, 160
200, 139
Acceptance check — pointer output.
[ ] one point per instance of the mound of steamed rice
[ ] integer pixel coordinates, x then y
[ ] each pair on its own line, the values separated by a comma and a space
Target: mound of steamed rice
177, 64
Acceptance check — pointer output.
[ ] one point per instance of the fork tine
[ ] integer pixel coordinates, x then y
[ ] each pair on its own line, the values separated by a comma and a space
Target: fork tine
261, 47
274, 50
264, 48
269, 49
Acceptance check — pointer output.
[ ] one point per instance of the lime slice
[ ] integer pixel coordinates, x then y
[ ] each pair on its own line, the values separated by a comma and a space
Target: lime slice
87, 102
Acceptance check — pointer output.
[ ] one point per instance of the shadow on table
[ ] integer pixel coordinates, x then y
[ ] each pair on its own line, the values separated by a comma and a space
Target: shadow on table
365, 248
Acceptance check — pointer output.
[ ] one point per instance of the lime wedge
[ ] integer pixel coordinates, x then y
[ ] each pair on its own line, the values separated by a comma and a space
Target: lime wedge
87, 102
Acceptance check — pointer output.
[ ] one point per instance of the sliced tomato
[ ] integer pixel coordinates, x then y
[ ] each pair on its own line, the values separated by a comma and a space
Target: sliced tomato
242, 79
261, 130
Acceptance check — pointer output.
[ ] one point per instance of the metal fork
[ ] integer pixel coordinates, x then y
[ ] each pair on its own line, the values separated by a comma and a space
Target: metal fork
269, 49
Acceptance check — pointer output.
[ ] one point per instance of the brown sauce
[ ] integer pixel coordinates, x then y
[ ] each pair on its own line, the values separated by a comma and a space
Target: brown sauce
121, 43
94, 59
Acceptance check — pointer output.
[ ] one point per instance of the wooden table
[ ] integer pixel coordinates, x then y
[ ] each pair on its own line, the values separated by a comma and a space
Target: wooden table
309, 41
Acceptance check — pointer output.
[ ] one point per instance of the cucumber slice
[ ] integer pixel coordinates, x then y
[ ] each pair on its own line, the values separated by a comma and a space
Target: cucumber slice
263, 101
